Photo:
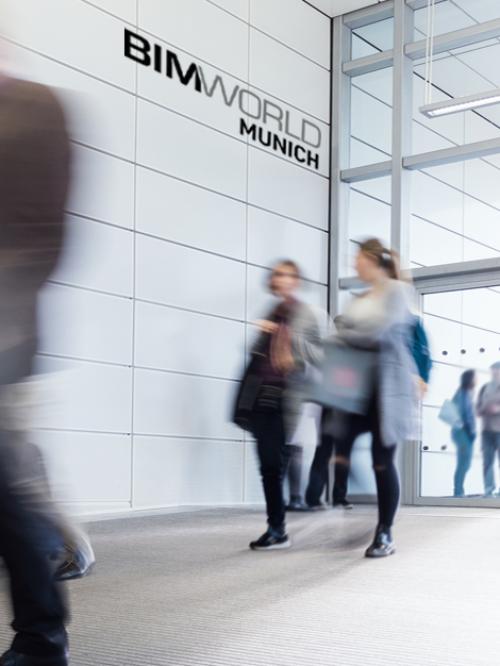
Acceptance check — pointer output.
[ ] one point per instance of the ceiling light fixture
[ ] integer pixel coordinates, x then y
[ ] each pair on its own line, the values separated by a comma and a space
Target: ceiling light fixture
457, 104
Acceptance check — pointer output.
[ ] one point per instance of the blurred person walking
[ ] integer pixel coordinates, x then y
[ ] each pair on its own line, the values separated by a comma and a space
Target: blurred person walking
34, 177
464, 431
380, 321
269, 401
331, 423
488, 408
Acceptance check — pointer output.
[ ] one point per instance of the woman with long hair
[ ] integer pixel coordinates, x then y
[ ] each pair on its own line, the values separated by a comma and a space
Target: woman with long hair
269, 401
380, 320
464, 433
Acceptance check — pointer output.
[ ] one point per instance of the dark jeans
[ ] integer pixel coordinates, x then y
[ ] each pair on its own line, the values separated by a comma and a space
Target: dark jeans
26, 540
465, 448
318, 475
491, 449
269, 431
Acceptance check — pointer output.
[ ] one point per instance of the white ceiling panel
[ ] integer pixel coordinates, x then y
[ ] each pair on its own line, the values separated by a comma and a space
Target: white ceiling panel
338, 7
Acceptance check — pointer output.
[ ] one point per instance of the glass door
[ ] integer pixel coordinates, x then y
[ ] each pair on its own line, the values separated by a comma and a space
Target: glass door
457, 458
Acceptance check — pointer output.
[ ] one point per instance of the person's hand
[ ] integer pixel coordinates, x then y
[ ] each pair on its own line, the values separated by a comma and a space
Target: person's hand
267, 326
422, 388
494, 409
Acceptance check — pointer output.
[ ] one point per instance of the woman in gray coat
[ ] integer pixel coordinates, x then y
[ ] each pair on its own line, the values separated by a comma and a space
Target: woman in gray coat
381, 321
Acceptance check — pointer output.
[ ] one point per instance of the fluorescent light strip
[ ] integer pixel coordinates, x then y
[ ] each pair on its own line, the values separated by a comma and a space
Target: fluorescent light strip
458, 104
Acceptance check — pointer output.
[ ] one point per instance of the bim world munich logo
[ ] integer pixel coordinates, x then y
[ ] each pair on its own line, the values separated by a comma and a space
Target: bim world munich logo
264, 122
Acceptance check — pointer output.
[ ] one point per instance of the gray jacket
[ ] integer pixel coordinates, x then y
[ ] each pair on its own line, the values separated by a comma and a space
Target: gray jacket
489, 397
307, 351
396, 369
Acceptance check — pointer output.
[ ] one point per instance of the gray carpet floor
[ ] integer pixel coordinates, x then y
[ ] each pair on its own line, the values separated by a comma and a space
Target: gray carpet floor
182, 589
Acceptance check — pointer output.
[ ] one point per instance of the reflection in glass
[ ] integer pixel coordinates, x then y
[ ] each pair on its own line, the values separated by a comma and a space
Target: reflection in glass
460, 451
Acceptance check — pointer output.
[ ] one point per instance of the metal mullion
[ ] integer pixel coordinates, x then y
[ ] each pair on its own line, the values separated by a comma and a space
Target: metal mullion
340, 148
370, 63
402, 107
469, 151
455, 39
369, 15
368, 172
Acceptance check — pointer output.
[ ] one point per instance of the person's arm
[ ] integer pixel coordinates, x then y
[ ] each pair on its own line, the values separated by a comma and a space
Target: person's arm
481, 403
306, 338
468, 414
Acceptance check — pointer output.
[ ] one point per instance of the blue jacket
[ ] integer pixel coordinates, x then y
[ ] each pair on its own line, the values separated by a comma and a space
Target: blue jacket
464, 402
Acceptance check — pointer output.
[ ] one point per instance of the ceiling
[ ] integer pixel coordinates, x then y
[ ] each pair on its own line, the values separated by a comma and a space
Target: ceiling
338, 7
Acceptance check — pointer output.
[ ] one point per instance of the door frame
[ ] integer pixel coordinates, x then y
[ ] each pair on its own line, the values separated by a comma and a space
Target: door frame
436, 280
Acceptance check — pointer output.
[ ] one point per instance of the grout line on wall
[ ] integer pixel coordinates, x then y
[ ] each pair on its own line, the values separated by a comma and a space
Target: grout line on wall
134, 277
116, 364
455, 233
202, 187
226, 11
461, 322
120, 227
141, 434
318, 9
247, 191
195, 248
267, 34
233, 137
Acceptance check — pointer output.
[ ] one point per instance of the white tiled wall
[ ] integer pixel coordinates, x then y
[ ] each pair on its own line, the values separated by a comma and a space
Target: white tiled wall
173, 221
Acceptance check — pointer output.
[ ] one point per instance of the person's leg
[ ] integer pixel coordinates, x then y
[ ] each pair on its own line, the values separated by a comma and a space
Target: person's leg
388, 489
318, 475
469, 454
387, 478
39, 609
463, 461
341, 474
353, 426
488, 448
270, 435
497, 447
294, 457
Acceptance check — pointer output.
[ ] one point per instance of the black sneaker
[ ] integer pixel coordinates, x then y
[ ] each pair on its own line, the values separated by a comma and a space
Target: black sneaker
317, 506
270, 542
383, 544
344, 504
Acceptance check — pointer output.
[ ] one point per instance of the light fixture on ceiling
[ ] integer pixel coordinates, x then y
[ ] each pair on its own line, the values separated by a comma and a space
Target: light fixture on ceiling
454, 105
457, 104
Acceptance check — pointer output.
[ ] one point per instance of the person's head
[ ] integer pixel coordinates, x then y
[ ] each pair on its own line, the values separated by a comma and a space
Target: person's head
374, 262
468, 380
285, 278
495, 372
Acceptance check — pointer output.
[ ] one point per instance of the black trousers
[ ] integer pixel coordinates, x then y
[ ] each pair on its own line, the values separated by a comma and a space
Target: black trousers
26, 540
347, 431
318, 474
269, 431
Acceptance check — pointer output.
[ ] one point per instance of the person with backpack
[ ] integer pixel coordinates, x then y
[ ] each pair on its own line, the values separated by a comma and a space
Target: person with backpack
376, 331
418, 345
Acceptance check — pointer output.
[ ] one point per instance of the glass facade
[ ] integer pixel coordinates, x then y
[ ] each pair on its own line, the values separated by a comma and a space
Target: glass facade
444, 175
464, 330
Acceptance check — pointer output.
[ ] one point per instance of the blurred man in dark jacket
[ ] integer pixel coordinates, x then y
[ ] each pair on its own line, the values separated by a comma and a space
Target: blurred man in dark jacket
34, 177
